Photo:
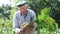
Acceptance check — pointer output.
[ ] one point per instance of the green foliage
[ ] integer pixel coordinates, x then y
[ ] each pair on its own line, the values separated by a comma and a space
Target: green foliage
38, 5
45, 21
5, 11
6, 26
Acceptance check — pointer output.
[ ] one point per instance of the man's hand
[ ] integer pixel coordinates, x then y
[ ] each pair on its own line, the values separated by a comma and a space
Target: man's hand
27, 28
30, 26
22, 31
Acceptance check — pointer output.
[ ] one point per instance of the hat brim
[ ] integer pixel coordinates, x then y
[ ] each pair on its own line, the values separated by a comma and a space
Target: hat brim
21, 5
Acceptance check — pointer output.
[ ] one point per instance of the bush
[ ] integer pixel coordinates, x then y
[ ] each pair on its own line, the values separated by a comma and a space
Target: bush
45, 22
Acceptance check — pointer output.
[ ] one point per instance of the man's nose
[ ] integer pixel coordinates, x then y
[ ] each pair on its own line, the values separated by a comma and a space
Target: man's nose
22, 10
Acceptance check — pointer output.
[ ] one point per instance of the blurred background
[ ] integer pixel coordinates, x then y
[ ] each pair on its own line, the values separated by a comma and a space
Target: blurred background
47, 14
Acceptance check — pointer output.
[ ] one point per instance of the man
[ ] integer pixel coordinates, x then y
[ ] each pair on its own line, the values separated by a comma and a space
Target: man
24, 15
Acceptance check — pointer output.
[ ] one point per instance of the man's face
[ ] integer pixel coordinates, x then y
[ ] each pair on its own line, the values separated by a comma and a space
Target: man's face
23, 9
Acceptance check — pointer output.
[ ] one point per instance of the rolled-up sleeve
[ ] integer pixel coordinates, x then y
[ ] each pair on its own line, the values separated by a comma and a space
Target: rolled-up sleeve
15, 24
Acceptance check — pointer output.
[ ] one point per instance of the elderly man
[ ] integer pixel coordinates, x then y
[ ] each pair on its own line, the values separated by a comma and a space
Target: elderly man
24, 15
